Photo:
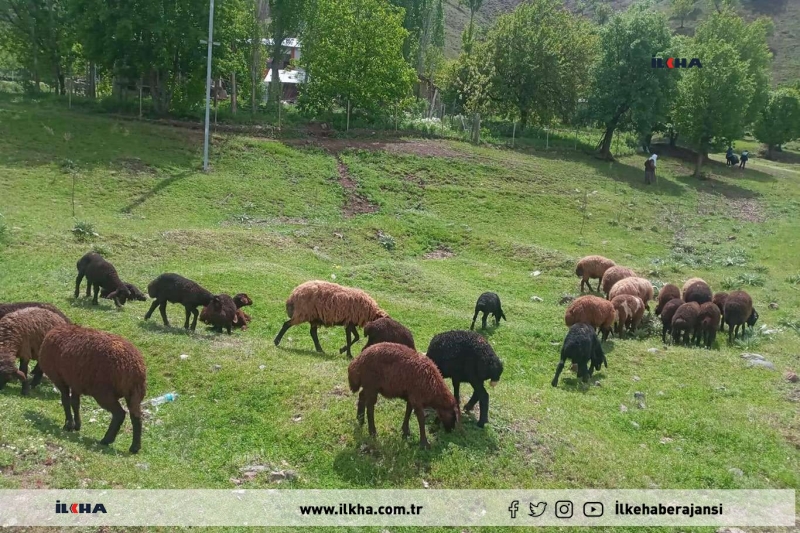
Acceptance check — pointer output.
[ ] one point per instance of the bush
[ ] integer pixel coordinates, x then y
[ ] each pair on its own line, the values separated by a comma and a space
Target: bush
84, 231
386, 240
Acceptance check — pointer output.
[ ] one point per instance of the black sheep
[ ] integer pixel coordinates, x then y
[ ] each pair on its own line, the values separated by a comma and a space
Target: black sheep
100, 273
465, 356
136, 294
582, 347
667, 312
489, 304
179, 290
220, 313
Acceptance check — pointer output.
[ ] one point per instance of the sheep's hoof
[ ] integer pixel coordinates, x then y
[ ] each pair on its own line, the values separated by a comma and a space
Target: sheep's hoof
134, 449
106, 442
468, 408
69, 426
482, 423
26, 389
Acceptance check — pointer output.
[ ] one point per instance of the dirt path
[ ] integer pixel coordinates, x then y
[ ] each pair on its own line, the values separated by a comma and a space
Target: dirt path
355, 204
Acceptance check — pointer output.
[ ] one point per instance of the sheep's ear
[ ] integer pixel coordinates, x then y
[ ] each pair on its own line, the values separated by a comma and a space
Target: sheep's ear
236, 318
112, 295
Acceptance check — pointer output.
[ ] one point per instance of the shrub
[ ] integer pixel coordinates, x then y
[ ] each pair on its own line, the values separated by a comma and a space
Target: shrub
794, 280
753, 280
386, 240
84, 231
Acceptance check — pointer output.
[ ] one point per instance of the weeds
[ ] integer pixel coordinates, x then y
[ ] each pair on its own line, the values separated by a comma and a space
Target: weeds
794, 279
84, 231
386, 240
746, 279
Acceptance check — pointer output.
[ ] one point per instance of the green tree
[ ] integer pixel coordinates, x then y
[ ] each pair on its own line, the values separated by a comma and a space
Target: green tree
349, 62
469, 32
779, 121
711, 100
540, 56
682, 9
286, 18
626, 92
424, 21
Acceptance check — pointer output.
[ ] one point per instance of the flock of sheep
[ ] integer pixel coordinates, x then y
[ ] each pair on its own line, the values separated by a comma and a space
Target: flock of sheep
81, 360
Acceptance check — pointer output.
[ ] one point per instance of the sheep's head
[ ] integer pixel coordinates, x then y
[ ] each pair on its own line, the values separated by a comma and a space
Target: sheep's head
9, 372
495, 371
121, 295
380, 313
450, 416
751, 320
242, 300
136, 294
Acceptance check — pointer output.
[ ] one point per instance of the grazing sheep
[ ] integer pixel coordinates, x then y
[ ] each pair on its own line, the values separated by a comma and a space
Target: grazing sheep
738, 312
242, 318
11, 307
584, 350
100, 273
689, 282
220, 313
708, 324
396, 371
176, 289
592, 310
489, 304
685, 321
388, 330
592, 267
630, 310
136, 294
21, 336
105, 366
322, 303
466, 357
697, 291
634, 286
667, 293
613, 275
667, 312
719, 299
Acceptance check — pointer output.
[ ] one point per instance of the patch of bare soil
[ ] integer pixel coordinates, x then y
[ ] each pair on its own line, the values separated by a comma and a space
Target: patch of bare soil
744, 209
355, 204
442, 252
422, 147
135, 165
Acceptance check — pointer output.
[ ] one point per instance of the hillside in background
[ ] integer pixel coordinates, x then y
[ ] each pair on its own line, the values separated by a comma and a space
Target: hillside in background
785, 41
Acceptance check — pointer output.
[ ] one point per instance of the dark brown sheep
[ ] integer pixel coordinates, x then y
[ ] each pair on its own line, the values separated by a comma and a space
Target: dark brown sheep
667, 312
100, 273
685, 322
708, 324
11, 307
21, 336
697, 291
388, 330
177, 289
613, 275
105, 366
738, 312
719, 299
396, 371
220, 313
242, 318
667, 293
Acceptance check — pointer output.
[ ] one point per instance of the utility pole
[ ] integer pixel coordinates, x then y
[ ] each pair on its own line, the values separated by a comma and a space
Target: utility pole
210, 43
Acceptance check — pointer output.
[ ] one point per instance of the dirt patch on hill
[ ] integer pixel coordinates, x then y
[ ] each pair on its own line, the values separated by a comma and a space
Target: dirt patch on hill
355, 204
424, 148
744, 209
442, 252
134, 165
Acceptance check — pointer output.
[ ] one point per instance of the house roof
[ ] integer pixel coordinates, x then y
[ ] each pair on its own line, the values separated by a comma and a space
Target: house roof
288, 43
287, 76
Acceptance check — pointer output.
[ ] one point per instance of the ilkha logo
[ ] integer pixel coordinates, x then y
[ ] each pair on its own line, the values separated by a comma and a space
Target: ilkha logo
675, 62
76, 508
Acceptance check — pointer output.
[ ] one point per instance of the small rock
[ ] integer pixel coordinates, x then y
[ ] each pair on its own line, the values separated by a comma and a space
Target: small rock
661, 393
736, 472
92, 420
641, 405
653, 350
773, 305
290, 474
638, 395
254, 468
217, 368
143, 466
536, 273
262, 367
250, 475
731, 237
636, 378
235, 481
536, 299
333, 276
597, 384
297, 418
752, 356
791, 377
635, 424
622, 408
721, 388
184, 357
426, 484
665, 440
565, 299
761, 363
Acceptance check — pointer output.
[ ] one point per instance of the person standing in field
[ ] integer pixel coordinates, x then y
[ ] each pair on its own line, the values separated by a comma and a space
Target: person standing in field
650, 169
743, 160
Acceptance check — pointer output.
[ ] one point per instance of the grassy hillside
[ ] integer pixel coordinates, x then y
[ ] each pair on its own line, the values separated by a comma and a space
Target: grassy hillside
425, 226
784, 43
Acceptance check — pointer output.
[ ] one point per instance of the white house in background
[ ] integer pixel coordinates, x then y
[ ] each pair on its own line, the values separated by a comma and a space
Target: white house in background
290, 78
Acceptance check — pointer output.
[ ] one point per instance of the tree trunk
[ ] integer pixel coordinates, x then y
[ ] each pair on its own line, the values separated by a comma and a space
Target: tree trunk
93, 81
605, 143
233, 92
769, 151
277, 63
698, 163
673, 139
476, 129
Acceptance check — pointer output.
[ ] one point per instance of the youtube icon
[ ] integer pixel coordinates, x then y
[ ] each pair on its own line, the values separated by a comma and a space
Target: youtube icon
592, 509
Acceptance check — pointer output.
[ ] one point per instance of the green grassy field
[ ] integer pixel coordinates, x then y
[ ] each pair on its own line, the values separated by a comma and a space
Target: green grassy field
424, 226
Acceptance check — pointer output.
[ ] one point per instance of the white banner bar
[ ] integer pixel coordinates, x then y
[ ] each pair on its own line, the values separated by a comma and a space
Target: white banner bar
397, 508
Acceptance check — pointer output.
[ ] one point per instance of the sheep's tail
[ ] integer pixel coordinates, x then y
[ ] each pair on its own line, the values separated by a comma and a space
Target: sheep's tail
289, 308
579, 270
353, 377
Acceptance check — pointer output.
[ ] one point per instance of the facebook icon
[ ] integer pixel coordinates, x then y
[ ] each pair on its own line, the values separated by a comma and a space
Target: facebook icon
514, 508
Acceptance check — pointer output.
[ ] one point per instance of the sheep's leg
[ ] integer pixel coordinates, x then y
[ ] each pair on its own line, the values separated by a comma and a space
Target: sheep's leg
405, 430
484, 406
348, 341
96, 289
195, 314
483, 320
37, 376
149, 313
362, 404
423, 440
456, 387
23, 366
583, 282
162, 308
371, 415
605, 332
474, 318
664, 334
75, 402
315, 338
228, 327
78, 284
135, 409
117, 418
284, 329
722, 323
69, 424
476, 395
188, 314
559, 368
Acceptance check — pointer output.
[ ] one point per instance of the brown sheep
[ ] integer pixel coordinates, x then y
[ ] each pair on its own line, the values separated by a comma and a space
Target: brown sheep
11, 307
396, 371
689, 282
719, 299
592, 310
322, 303
640, 287
613, 275
666, 317
708, 323
685, 322
388, 330
21, 336
630, 310
667, 293
105, 366
697, 291
220, 313
738, 312
592, 267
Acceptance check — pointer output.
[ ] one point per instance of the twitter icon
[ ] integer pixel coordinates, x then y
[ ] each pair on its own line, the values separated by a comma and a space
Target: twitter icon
538, 509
